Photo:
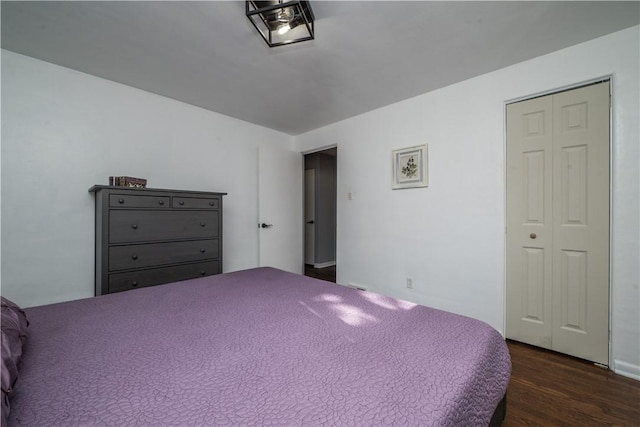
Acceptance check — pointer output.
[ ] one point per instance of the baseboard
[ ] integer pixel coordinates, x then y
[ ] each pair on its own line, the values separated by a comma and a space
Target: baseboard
626, 369
355, 286
324, 264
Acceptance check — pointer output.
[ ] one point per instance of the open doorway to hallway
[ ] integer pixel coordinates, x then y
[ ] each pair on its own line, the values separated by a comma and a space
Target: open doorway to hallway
320, 214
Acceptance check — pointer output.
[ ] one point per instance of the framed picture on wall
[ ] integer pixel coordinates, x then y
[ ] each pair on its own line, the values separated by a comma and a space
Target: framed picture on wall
410, 167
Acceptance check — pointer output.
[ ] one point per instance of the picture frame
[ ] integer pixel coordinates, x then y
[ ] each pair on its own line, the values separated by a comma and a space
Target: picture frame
410, 167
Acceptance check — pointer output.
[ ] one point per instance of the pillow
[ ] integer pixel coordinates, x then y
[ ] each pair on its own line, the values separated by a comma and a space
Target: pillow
14, 333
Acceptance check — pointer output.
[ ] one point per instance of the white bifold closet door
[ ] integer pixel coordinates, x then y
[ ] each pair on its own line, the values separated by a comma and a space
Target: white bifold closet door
558, 222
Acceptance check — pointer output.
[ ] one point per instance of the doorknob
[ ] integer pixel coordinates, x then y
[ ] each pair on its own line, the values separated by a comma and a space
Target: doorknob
263, 225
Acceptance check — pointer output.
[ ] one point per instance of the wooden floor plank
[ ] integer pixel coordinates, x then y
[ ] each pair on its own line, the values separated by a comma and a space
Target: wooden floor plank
551, 389
327, 273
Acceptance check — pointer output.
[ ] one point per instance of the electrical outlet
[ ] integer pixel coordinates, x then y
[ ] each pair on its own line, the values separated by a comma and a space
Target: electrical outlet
409, 282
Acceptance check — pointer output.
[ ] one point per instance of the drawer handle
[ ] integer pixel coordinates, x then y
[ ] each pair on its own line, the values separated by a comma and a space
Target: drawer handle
202, 273
134, 284
212, 203
161, 202
202, 224
203, 250
134, 226
134, 257
181, 202
121, 201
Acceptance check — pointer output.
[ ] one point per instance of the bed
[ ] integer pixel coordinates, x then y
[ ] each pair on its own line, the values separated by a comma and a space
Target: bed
256, 347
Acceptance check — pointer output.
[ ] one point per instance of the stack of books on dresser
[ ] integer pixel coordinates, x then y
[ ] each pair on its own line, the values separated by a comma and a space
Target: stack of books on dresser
127, 181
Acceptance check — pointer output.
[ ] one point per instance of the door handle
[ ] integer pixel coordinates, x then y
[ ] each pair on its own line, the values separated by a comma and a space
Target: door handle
310, 222
263, 225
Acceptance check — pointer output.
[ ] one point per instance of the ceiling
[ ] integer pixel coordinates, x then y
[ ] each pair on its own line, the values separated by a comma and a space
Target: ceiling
366, 54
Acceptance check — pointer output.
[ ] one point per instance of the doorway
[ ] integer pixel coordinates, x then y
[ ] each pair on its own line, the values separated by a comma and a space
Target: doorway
558, 203
320, 177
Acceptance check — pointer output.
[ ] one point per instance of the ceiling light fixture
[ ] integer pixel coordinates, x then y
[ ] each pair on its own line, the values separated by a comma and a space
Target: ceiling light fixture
280, 23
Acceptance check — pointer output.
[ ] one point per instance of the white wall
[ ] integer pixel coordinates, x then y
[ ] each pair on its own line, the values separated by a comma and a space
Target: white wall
64, 131
449, 237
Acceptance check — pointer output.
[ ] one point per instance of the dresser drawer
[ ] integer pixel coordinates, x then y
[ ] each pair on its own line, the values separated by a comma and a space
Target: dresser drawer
151, 254
196, 202
136, 201
139, 279
147, 226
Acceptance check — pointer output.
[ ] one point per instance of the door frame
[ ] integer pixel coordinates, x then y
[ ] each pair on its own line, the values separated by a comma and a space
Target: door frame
602, 79
309, 204
318, 150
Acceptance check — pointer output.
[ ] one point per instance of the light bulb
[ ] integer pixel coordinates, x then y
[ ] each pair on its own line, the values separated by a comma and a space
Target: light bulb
284, 29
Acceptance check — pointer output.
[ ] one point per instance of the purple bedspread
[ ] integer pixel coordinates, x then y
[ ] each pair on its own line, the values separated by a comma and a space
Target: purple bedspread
256, 347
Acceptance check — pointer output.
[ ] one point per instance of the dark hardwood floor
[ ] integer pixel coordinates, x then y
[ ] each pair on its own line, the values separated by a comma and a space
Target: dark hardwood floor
552, 389
327, 273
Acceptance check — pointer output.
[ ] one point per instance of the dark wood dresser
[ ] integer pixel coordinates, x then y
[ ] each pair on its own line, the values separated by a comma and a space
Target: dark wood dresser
147, 237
